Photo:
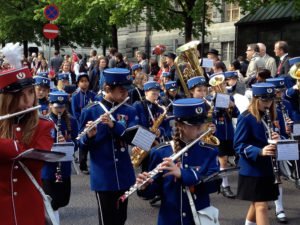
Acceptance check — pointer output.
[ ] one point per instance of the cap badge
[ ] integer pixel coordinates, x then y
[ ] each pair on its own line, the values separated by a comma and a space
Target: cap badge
270, 90
173, 85
45, 81
21, 75
281, 82
199, 110
128, 77
60, 98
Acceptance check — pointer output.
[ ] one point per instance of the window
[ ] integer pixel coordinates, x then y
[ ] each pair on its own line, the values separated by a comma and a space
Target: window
232, 12
227, 51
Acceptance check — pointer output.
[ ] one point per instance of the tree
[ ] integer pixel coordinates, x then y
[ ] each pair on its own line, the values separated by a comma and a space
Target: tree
16, 22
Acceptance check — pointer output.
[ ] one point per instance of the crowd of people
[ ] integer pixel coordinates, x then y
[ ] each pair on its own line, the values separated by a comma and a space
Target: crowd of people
243, 106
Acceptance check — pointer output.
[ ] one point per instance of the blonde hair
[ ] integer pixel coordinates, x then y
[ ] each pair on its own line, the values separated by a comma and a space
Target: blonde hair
8, 104
254, 110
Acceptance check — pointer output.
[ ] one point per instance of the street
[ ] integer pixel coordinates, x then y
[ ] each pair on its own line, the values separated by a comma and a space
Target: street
82, 209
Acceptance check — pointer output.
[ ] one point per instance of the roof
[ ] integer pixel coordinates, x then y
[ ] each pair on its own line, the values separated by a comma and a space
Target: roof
270, 13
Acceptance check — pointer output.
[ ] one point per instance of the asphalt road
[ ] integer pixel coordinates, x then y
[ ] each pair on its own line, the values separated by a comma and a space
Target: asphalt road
82, 209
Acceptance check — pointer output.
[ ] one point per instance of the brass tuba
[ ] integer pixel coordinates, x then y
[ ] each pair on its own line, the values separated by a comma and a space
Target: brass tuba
295, 73
187, 57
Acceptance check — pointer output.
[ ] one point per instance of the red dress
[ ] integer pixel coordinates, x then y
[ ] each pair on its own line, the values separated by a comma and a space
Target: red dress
20, 202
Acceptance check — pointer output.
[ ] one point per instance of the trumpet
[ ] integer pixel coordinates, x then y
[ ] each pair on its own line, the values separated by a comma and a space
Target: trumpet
274, 161
157, 170
97, 121
19, 113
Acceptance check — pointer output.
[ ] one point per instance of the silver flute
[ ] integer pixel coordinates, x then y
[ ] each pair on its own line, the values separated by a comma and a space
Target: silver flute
19, 113
157, 169
97, 121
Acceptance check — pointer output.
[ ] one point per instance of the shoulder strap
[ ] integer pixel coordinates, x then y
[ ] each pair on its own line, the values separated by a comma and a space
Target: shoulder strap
193, 207
47, 204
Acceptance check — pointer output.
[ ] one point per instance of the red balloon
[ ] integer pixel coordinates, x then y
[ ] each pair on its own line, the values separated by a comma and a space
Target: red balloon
158, 49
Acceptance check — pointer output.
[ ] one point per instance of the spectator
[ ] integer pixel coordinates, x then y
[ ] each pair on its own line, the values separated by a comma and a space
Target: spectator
270, 62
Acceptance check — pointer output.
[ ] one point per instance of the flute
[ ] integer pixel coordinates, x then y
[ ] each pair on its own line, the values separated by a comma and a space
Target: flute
157, 170
19, 113
97, 121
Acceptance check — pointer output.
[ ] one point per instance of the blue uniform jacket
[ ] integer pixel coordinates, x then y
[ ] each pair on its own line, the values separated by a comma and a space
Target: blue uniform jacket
110, 165
79, 100
292, 96
223, 121
249, 139
49, 169
44, 103
144, 116
199, 161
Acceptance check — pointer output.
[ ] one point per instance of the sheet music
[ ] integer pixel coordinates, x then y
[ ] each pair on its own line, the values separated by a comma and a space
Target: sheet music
67, 148
207, 63
143, 139
296, 129
287, 150
222, 101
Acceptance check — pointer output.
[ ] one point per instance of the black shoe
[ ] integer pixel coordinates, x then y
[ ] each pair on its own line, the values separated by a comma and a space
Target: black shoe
85, 171
281, 218
156, 199
226, 191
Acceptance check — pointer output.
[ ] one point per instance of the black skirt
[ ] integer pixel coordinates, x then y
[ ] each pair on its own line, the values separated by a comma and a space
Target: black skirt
257, 189
59, 192
226, 148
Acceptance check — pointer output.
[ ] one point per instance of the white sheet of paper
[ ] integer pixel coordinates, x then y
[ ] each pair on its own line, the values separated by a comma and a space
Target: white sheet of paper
67, 148
222, 101
287, 150
207, 63
143, 139
296, 129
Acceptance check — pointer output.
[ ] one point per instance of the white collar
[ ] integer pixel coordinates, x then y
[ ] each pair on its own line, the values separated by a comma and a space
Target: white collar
282, 57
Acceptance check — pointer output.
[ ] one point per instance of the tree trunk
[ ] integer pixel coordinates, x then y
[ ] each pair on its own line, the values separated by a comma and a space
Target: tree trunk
114, 36
104, 50
25, 48
188, 28
56, 44
148, 34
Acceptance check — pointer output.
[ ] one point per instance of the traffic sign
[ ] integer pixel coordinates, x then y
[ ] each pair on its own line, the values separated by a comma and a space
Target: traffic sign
50, 31
51, 12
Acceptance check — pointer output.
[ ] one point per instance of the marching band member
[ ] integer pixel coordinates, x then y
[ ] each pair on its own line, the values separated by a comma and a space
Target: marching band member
199, 161
111, 170
63, 81
80, 98
284, 109
148, 111
42, 89
256, 178
292, 93
198, 88
56, 176
225, 130
136, 69
18, 134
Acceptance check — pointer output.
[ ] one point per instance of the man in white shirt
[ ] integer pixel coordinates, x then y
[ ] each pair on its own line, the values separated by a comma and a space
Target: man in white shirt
270, 62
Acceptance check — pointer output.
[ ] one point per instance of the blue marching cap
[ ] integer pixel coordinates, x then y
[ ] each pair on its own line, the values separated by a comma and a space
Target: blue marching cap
277, 82
118, 77
42, 81
171, 85
80, 75
294, 60
166, 74
43, 74
151, 85
136, 67
263, 90
231, 74
196, 81
63, 76
58, 97
191, 111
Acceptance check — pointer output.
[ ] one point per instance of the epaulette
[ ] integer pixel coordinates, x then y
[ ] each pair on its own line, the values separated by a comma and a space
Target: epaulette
162, 145
246, 113
91, 104
44, 117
